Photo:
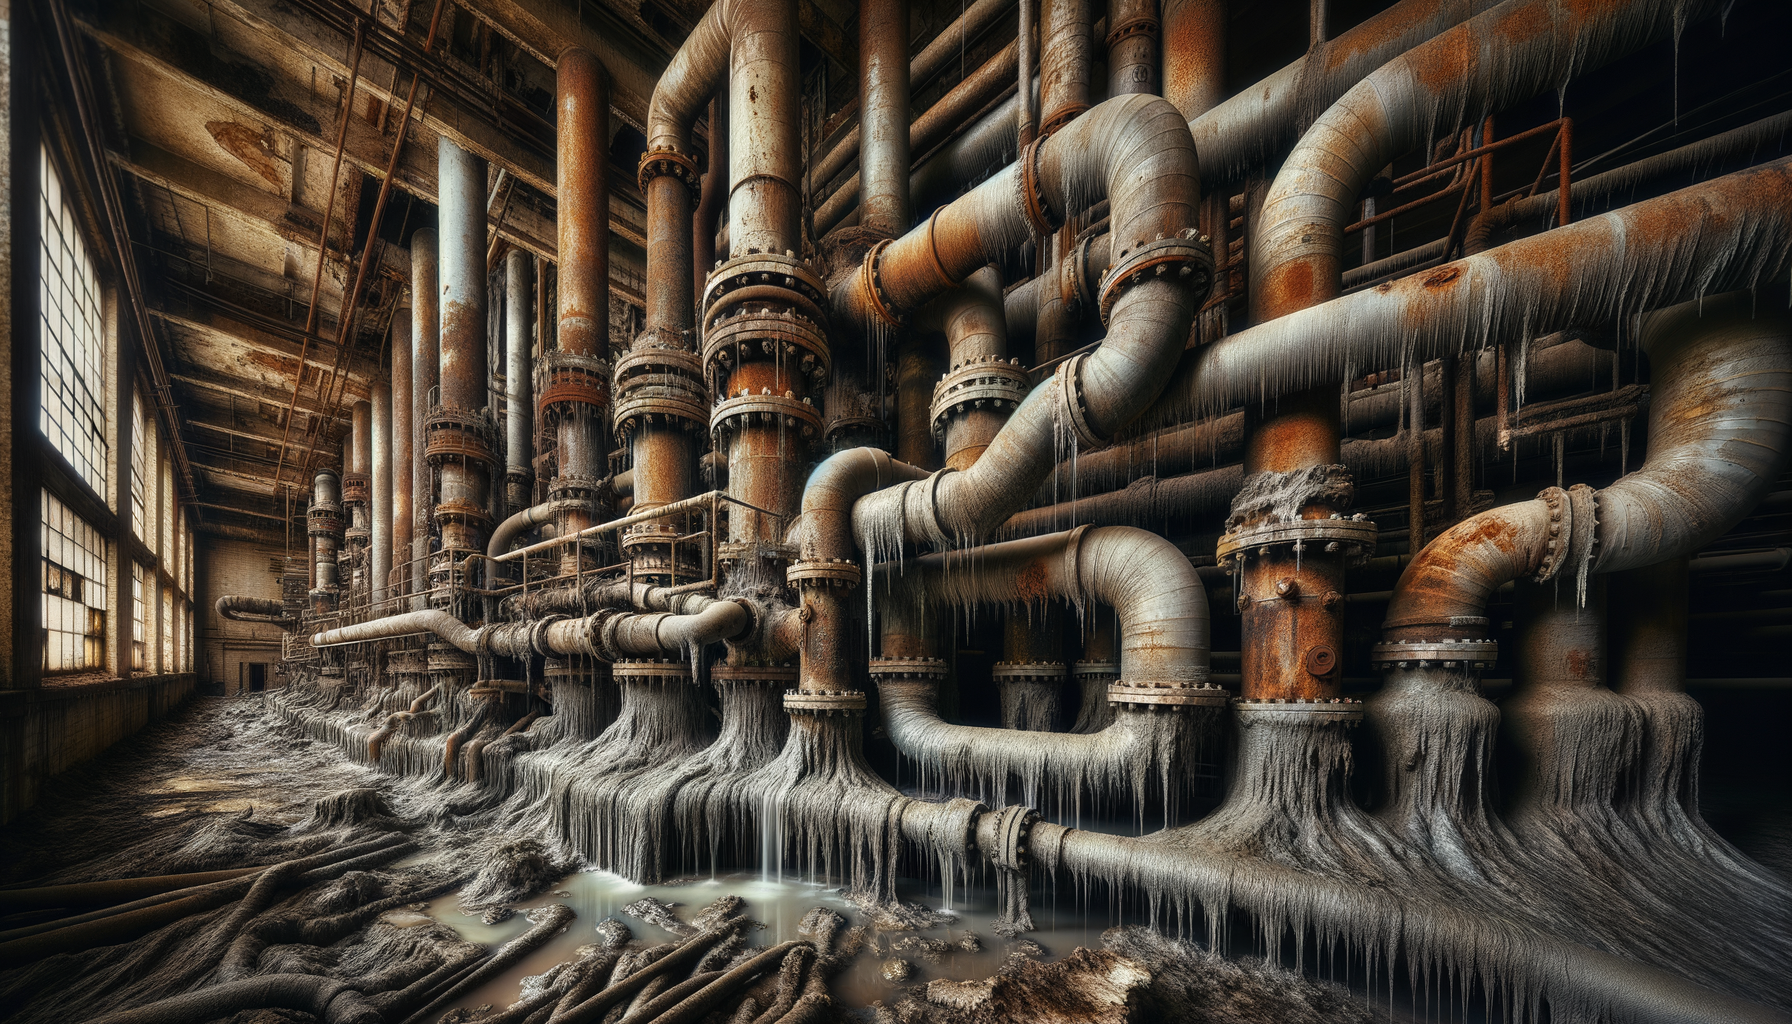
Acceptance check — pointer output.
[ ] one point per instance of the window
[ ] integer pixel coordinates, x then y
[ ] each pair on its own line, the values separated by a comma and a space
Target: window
74, 591
72, 370
139, 466
186, 636
167, 518
139, 617
167, 629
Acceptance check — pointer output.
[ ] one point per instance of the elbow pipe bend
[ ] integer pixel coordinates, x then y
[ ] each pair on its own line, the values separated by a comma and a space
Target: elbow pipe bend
832, 493
1586, 978
1133, 150
1505, 55
1720, 434
528, 519
442, 624
253, 609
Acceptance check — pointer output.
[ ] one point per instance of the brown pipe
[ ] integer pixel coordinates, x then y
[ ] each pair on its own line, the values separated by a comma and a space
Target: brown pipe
403, 408
1132, 47
1194, 75
715, 191
884, 118
1066, 61
109, 891
425, 375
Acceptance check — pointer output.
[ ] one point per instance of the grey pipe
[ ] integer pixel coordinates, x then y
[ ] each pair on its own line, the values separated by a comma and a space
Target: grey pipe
379, 516
519, 402
1132, 149
253, 609
693, 620
1530, 962
1732, 233
1720, 433
399, 451
1518, 49
522, 522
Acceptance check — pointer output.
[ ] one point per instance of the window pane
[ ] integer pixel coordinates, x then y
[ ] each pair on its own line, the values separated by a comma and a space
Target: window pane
74, 590
73, 414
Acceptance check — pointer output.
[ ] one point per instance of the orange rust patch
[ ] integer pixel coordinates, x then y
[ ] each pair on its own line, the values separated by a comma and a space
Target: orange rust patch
1031, 582
1445, 60
247, 145
1442, 276
1524, 23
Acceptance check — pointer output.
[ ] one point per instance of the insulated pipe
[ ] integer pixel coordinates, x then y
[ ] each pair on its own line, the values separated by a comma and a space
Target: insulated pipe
522, 522
1494, 60
379, 516
425, 375
695, 620
519, 402
1134, 150
1731, 233
1573, 977
712, 196
252, 609
883, 117
1720, 433
1151, 585
975, 326
399, 451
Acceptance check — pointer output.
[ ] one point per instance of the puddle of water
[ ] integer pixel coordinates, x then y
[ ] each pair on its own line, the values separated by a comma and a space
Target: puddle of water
780, 907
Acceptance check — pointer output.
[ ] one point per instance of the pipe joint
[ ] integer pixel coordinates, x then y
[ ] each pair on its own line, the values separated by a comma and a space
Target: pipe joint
668, 161
1187, 254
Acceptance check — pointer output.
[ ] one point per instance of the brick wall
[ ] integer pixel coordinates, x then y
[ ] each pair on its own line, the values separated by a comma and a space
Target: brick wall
226, 648
49, 729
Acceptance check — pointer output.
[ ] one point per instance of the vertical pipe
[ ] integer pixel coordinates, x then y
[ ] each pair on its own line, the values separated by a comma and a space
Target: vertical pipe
764, 145
1446, 457
360, 437
399, 451
464, 483
715, 192
1316, 23
1132, 47
354, 494
884, 117
1649, 628
380, 519
1415, 455
582, 134
1463, 446
1194, 46
519, 404
425, 375
1028, 117
1066, 62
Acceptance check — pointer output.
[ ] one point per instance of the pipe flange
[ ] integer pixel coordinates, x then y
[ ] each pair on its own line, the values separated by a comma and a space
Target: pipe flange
1067, 380
1094, 669
823, 572
323, 522
1353, 537
1251, 710
824, 702
666, 160
1061, 117
1187, 253
1467, 654
457, 511
661, 385
741, 552
794, 341
899, 670
871, 285
954, 826
1561, 533
651, 672
764, 410
1075, 286
1142, 25
990, 382
1028, 672
538, 635
457, 435
839, 425
646, 537
355, 487
753, 675
565, 383
1010, 837
776, 278
1180, 695
1583, 538
1029, 196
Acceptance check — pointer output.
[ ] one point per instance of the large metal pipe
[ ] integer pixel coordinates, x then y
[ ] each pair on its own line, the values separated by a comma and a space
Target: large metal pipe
1720, 430
1132, 47
464, 478
380, 550
519, 401
884, 118
1066, 61
425, 376
1194, 65
399, 447
696, 620
1135, 151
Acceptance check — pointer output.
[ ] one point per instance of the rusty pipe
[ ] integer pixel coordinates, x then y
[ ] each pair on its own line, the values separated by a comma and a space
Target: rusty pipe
884, 118
1066, 61
1136, 151
1295, 258
691, 620
379, 518
709, 203
426, 374
1026, 111
1720, 421
582, 134
464, 368
399, 449
253, 609
1194, 55
519, 402
975, 325
1132, 47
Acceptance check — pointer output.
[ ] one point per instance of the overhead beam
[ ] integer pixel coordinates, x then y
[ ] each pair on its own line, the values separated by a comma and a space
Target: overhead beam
223, 328
227, 385
271, 438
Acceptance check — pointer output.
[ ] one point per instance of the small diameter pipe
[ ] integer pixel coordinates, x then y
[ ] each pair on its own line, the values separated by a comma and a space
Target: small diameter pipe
399, 454
378, 516
554, 917
694, 621
519, 401
329, 1000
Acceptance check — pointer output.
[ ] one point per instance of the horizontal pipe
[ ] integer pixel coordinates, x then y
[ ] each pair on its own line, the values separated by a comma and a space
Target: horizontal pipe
252, 609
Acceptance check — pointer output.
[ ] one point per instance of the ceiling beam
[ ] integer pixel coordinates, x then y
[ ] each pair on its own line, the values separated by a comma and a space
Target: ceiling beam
223, 384
284, 353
